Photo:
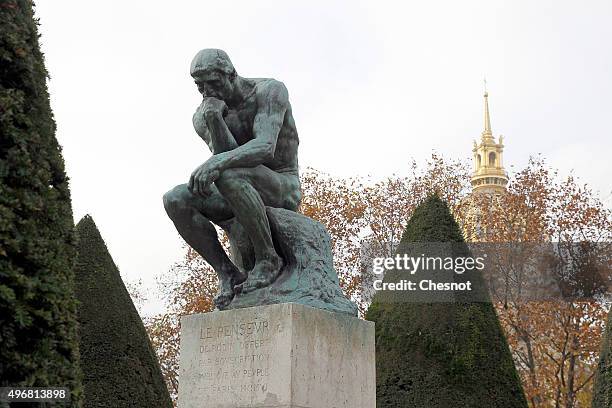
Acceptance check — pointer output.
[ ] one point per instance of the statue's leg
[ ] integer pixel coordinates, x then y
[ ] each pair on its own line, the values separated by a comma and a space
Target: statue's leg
248, 191
192, 217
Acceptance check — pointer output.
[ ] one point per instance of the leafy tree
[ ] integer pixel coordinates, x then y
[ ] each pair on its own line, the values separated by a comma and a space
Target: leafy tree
355, 211
441, 354
554, 343
347, 208
120, 368
546, 338
37, 247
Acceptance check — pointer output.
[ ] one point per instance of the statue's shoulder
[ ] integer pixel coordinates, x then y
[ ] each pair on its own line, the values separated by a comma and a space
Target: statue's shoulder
266, 88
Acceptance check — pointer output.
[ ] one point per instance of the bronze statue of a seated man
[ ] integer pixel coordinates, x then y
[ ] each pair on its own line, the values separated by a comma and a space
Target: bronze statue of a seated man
248, 126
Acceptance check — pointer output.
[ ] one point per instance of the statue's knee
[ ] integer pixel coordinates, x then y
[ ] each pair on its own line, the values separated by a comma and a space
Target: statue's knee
174, 202
229, 179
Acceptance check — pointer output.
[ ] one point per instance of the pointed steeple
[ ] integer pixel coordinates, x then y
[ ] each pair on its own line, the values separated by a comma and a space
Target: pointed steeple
487, 132
487, 118
489, 174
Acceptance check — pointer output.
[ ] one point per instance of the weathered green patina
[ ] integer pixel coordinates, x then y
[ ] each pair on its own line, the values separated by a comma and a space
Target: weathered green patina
248, 125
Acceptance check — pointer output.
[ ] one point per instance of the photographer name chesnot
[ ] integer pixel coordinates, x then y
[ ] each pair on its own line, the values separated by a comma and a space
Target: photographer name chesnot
425, 285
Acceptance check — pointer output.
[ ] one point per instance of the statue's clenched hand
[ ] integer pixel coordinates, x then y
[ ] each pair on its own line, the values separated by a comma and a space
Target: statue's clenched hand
204, 175
211, 107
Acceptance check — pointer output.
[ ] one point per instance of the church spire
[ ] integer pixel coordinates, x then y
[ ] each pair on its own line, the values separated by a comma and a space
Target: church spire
489, 174
487, 118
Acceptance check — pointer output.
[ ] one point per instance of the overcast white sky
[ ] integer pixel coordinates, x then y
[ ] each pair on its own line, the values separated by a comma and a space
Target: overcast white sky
372, 84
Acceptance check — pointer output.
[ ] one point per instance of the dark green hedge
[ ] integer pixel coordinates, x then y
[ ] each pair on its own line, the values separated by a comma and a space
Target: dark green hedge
120, 368
439, 355
38, 345
602, 393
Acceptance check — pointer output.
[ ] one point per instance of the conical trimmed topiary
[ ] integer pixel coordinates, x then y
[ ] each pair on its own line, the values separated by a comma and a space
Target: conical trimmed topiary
602, 391
120, 368
444, 354
38, 343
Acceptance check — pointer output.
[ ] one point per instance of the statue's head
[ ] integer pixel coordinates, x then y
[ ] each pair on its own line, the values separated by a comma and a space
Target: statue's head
214, 73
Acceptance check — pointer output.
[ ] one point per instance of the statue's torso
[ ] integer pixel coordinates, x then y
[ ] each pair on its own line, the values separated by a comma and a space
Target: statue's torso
240, 121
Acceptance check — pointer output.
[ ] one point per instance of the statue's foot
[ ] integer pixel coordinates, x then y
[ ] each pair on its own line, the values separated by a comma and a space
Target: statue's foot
226, 294
223, 299
263, 274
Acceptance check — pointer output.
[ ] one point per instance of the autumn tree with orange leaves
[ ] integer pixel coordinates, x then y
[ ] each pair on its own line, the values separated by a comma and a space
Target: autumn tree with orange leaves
351, 210
554, 344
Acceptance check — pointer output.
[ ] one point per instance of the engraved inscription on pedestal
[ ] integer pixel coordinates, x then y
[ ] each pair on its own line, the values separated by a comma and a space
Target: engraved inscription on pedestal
231, 358
284, 355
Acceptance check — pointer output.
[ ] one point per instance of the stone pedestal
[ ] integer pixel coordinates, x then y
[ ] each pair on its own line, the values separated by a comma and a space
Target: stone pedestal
285, 355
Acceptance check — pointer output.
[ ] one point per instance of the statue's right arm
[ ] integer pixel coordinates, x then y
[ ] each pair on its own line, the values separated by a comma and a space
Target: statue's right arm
199, 124
223, 140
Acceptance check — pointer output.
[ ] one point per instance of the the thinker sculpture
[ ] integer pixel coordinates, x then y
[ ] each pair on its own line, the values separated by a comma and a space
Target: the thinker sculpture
248, 125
